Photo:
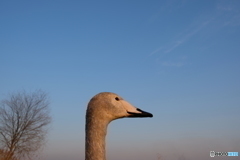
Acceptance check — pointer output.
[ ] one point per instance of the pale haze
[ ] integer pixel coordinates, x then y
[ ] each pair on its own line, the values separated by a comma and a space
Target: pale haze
179, 60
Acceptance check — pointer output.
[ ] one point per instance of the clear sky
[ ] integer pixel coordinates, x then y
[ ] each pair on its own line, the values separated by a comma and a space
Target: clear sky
179, 60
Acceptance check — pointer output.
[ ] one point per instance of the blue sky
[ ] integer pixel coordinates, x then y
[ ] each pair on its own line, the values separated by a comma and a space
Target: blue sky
176, 59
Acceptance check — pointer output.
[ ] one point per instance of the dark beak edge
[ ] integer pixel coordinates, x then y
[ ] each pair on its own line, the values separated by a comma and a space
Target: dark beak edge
142, 114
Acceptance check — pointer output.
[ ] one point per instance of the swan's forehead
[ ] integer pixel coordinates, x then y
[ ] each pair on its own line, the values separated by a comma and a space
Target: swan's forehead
109, 95
115, 96
106, 94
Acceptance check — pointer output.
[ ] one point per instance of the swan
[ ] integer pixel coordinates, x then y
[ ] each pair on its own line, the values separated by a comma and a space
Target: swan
101, 110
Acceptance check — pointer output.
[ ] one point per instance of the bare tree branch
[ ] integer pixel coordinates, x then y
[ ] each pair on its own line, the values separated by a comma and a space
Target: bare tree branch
23, 124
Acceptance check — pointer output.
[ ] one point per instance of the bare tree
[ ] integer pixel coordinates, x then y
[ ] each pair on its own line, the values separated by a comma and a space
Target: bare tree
3, 155
23, 124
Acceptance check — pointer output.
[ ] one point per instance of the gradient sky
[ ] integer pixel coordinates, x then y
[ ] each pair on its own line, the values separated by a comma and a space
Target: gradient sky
179, 60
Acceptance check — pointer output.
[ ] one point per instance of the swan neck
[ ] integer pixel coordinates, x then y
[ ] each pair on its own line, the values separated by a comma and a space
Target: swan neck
95, 139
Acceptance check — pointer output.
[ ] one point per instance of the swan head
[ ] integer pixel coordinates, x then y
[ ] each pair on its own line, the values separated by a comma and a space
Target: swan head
110, 106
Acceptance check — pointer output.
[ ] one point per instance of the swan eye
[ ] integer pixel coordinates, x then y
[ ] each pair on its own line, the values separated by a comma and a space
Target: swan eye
117, 99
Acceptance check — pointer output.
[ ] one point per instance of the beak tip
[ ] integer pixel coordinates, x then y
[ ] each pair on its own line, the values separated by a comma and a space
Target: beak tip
141, 114
147, 114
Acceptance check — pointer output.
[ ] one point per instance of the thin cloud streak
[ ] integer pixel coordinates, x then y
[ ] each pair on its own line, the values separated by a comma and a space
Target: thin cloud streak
184, 38
222, 16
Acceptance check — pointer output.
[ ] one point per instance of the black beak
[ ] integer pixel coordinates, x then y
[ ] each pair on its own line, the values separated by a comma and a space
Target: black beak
142, 114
